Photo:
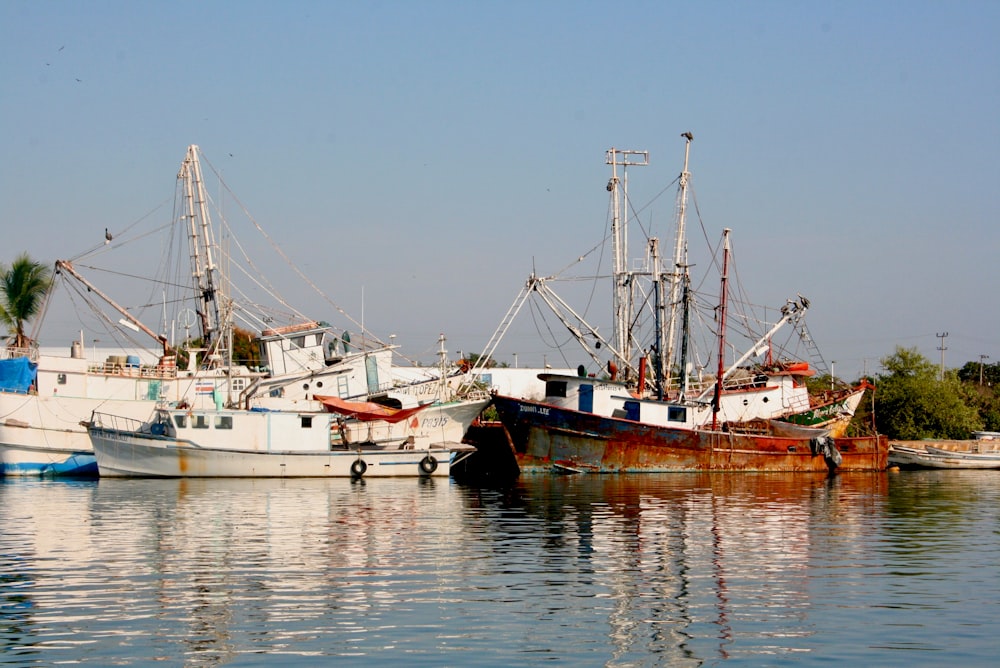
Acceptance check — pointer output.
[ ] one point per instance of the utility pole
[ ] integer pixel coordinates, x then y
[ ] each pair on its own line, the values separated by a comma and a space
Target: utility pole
981, 358
942, 348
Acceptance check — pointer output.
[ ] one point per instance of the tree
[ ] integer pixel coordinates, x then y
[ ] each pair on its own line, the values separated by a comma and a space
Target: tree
245, 348
912, 403
23, 287
974, 372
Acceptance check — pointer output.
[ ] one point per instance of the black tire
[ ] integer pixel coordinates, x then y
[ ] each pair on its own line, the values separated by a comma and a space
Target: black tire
428, 465
358, 468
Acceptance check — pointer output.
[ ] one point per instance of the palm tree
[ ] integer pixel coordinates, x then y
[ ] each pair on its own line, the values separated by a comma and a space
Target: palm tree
23, 287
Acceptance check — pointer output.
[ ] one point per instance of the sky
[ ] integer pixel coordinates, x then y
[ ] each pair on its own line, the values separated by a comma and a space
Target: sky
420, 159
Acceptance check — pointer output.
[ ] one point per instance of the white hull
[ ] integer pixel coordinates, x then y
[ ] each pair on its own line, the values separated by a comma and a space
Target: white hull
236, 443
44, 435
929, 457
119, 455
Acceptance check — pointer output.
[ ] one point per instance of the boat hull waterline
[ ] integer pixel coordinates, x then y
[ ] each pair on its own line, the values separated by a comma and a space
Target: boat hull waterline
120, 454
546, 437
930, 457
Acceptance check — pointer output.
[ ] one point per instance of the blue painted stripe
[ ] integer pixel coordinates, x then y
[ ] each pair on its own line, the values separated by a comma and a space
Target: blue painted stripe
83, 464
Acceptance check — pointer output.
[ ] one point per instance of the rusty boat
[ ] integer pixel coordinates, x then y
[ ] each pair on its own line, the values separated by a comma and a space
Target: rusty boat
660, 415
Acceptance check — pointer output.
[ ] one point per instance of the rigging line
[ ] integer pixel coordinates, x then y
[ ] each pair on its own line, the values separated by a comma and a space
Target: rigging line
269, 288
111, 328
599, 246
167, 264
636, 212
104, 245
552, 343
284, 256
714, 247
253, 279
146, 279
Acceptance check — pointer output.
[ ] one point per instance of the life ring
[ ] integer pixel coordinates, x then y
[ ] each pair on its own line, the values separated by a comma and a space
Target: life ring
358, 468
428, 465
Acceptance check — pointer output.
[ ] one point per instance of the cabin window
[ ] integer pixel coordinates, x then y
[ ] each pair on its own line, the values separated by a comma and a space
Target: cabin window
632, 410
299, 341
239, 384
61, 379
342, 386
223, 421
180, 421
676, 414
555, 388
200, 422
307, 422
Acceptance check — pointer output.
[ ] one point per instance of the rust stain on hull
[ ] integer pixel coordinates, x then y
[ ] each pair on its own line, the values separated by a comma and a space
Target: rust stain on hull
546, 436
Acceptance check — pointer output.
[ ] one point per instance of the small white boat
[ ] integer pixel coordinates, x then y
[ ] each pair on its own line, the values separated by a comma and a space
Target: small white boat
179, 443
957, 455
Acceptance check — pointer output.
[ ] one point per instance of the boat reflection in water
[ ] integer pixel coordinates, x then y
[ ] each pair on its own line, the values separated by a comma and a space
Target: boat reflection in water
700, 565
677, 569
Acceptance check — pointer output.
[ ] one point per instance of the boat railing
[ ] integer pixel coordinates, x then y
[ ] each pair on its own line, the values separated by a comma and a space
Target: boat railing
13, 352
155, 372
476, 395
119, 423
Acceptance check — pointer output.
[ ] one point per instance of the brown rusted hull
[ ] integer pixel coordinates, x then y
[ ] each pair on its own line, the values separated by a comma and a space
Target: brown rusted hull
545, 437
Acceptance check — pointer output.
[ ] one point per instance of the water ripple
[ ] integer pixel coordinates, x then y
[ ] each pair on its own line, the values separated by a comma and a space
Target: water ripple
887, 569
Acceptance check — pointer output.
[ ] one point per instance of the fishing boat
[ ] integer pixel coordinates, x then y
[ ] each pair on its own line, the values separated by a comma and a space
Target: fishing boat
589, 424
182, 443
43, 425
967, 454
42, 432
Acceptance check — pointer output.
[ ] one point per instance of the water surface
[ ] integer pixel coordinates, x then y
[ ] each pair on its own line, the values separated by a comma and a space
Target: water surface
617, 570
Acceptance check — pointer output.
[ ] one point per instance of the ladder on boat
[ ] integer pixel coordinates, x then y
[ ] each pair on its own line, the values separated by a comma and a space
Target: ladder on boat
815, 356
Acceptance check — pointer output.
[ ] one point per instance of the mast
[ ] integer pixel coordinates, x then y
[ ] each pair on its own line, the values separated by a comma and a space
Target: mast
202, 242
680, 268
685, 336
717, 401
654, 254
622, 302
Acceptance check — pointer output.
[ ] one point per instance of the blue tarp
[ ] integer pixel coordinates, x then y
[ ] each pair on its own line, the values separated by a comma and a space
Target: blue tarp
17, 375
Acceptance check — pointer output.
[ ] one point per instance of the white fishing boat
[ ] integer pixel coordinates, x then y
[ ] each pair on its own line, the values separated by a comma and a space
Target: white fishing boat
972, 454
44, 416
255, 444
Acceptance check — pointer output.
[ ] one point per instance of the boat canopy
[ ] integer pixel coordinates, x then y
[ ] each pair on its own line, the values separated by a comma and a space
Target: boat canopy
17, 374
367, 410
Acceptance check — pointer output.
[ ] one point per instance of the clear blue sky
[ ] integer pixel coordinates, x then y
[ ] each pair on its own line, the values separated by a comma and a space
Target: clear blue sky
418, 158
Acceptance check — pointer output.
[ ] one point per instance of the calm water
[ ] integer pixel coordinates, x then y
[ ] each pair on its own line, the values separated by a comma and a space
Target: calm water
676, 569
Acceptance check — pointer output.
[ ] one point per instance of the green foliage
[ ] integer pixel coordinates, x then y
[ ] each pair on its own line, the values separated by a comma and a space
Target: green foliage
978, 372
913, 403
985, 400
475, 359
245, 348
23, 287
